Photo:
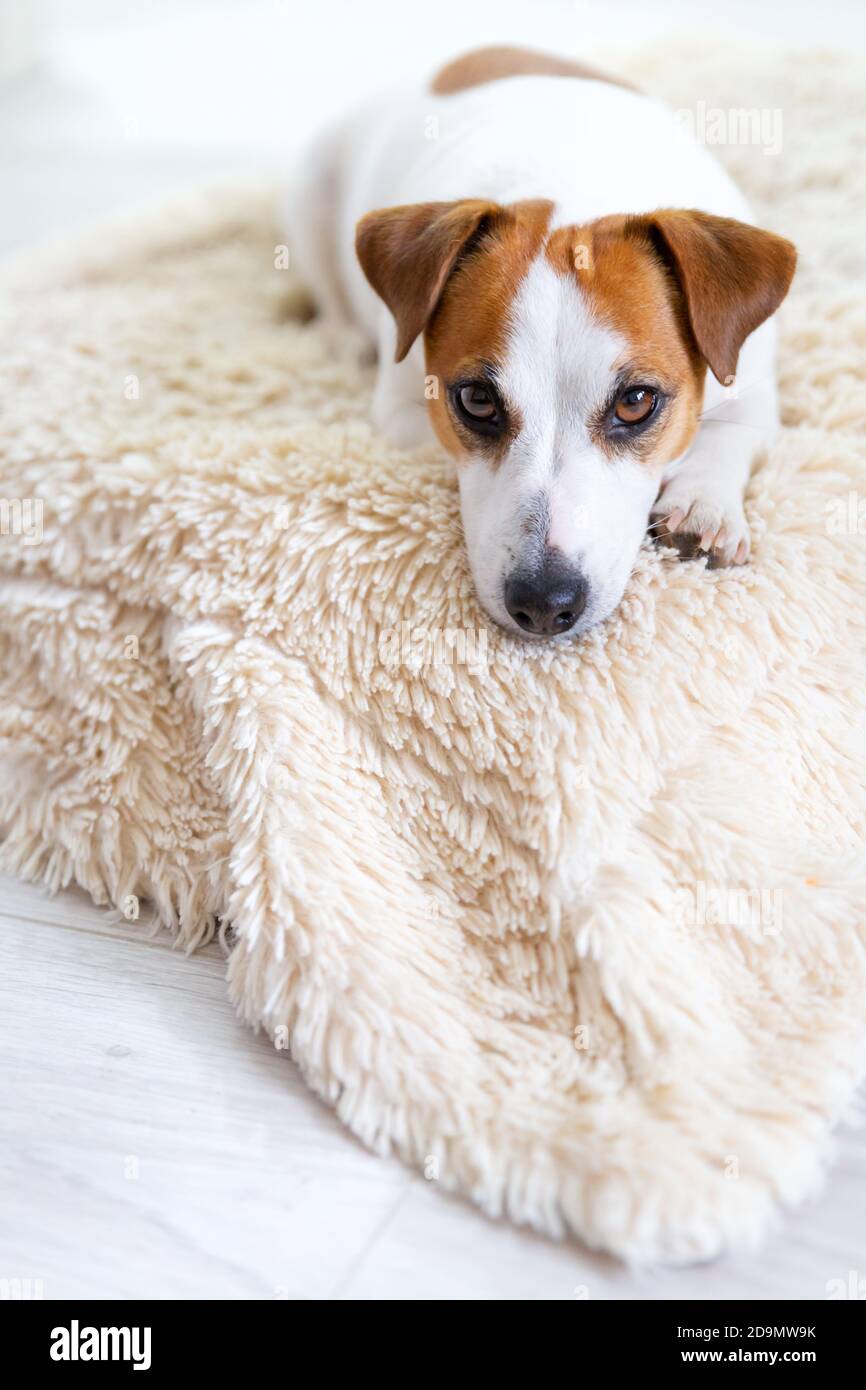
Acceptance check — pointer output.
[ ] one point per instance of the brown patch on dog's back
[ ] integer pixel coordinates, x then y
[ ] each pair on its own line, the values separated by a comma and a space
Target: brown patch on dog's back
469, 327
485, 65
632, 292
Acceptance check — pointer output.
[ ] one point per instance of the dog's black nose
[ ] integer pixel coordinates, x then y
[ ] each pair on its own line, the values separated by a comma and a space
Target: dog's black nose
548, 600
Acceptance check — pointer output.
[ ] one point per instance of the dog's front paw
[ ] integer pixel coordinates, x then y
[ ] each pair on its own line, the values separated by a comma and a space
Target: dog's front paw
697, 526
403, 425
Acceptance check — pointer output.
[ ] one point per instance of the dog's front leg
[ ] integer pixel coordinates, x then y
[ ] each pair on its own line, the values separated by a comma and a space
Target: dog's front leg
699, 508
399, 407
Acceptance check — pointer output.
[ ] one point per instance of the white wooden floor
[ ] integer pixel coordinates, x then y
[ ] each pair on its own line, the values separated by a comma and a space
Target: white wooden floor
153, 1147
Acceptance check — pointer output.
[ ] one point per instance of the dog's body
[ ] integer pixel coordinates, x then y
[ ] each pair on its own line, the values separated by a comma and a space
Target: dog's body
532, 258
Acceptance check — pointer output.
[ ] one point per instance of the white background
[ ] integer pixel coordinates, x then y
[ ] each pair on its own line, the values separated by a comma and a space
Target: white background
105, 103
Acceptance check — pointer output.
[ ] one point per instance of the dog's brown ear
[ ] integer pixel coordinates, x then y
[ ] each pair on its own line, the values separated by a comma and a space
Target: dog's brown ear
733, 277
407, 254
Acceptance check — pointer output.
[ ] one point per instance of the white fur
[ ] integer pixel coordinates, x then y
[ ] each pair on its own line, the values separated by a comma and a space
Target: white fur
579, 143
560, 367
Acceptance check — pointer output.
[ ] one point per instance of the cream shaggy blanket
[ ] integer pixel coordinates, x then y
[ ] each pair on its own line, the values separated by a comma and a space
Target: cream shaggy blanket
576, 929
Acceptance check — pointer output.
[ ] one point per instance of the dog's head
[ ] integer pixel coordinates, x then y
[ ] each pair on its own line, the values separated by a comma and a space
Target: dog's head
567, 370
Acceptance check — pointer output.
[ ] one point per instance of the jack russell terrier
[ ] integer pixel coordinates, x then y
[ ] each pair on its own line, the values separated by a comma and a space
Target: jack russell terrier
548, 265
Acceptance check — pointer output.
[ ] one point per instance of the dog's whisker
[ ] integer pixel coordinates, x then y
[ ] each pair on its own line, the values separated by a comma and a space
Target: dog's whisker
708, 417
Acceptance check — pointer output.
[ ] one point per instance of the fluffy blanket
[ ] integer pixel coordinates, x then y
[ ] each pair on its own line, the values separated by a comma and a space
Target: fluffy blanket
577, 929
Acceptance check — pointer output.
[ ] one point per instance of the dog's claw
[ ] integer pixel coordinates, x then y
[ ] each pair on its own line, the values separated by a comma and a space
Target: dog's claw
692, 532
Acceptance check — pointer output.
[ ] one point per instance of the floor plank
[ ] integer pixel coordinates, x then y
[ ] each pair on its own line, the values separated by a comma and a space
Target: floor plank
153, 1146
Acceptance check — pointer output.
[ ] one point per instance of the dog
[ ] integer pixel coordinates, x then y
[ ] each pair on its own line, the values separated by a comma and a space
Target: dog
567, 291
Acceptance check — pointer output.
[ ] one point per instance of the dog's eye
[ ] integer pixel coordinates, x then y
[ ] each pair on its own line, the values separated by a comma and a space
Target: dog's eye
478, 406
476, 401
635, 406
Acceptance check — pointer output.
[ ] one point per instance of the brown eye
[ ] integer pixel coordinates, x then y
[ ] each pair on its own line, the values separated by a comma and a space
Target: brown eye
635, 405
477, 405
476, 401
